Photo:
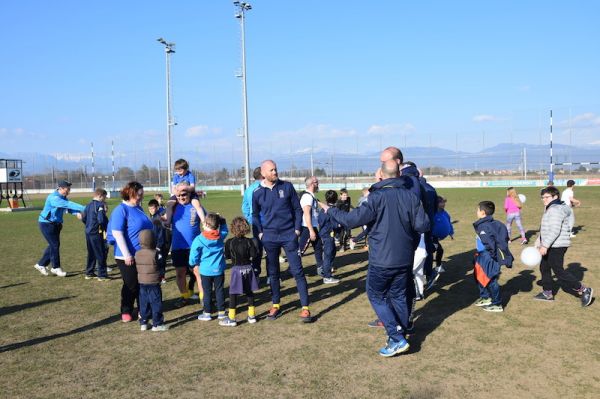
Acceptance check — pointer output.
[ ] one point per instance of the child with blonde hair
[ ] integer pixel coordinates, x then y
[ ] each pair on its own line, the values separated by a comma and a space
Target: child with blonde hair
512, 207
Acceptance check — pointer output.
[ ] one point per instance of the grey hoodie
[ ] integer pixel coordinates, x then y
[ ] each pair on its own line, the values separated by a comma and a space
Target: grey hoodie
555, 230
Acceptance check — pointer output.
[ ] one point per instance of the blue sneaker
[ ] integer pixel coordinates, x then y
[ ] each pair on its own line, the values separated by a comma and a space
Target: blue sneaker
204, 317
394, 347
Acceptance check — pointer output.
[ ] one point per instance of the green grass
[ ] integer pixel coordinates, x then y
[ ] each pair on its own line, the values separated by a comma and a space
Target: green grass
63, 337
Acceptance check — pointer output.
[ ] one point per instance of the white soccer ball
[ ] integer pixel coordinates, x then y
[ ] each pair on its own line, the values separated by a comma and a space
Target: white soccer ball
522, 198
531, 257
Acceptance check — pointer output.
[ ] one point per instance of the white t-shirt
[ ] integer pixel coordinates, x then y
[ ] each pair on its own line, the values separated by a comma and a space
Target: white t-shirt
567, 196
308, 199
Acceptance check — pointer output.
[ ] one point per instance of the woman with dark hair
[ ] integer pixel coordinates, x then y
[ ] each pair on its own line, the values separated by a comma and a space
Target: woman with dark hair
126, 222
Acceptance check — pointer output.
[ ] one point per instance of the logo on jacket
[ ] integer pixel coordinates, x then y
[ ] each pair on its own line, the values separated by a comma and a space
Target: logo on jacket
281, 194
481, 232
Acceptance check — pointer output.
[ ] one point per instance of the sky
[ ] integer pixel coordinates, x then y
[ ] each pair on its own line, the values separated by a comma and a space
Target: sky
328, 75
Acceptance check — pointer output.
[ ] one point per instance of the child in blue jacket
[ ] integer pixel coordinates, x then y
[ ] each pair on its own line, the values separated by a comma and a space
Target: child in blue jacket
492, 252
207, 255
442, 228
95, 220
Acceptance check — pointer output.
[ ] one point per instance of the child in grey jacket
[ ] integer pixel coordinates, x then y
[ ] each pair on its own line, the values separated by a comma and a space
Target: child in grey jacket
553, 243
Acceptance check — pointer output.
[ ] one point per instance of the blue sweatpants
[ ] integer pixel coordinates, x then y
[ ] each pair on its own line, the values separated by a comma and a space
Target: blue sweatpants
151, 304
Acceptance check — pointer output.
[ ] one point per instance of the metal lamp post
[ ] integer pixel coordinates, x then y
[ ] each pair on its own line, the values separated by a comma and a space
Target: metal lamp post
241, 15
169, 49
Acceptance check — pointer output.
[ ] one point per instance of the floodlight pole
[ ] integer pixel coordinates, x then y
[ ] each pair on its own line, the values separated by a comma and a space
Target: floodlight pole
241, 15
169, 49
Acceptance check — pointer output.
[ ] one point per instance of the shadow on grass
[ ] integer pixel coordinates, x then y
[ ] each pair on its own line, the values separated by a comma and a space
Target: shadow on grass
461, 294
520, 283
14, 285
356, 286
41, 340
17, 308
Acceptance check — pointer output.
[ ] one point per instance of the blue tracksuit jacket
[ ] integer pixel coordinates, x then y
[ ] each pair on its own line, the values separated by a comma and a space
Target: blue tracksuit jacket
94, 217
494, 237
395, 219
55, 206
276, 210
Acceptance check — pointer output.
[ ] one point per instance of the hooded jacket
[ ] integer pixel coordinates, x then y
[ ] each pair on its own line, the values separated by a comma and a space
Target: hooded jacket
395, 219
555, 230
208, 251
494, 237
145, 259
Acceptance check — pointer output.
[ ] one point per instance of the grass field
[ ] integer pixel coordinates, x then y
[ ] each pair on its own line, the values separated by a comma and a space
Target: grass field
63, 338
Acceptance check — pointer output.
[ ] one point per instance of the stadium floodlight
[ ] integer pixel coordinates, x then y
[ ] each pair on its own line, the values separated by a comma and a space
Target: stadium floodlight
169, 49
242, 7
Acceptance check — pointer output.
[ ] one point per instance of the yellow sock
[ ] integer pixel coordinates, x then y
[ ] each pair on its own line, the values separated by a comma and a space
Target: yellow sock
251, 311
201, 295
231, 314
276, 305
186, 295
304, 307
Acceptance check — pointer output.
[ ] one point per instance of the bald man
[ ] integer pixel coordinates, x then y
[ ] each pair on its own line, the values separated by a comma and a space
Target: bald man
395, 218
277, 216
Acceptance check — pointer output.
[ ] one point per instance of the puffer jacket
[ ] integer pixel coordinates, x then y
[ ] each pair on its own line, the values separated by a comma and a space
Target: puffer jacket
145, 259
555, 230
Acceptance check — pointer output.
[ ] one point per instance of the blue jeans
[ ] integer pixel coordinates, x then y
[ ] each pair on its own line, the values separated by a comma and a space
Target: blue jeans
96, 255
151, 304
51, 232
304, 242
491, 291
208, 282
289, 243
386, 290
328, 255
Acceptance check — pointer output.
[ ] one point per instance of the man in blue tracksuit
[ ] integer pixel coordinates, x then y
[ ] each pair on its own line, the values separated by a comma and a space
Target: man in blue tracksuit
277, 216
247, 211
395, 219
95, 219
50, 222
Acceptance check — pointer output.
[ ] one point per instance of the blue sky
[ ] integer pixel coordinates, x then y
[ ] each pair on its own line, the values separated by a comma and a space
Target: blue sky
345, 76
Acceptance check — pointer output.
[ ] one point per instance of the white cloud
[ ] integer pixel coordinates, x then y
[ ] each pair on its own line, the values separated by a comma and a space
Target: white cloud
486, 118
587, 119
391, 128
201, 131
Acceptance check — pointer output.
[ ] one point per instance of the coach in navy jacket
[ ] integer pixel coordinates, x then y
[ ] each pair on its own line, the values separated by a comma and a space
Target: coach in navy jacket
277, 216
395, 219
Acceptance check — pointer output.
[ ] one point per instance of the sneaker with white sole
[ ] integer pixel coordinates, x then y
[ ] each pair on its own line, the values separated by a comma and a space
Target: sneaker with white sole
483, 302
41, 269
394, 347
144, 327
493, 308
162, 327
587, 296
331, 280
58, 271
352, 245
222, 316
204, 317
227, 322
251, 319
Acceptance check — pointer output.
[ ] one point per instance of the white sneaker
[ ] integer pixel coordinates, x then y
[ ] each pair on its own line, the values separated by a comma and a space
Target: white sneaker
352, 245
58, 271
41, 269
162, 327
144, 327
330, 280
441, 269
109, 269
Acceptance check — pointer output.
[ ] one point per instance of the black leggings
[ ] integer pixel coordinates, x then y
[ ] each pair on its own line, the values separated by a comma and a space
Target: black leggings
130, 289
234, 297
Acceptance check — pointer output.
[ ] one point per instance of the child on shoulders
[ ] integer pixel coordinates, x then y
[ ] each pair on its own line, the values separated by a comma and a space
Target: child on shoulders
183, 174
